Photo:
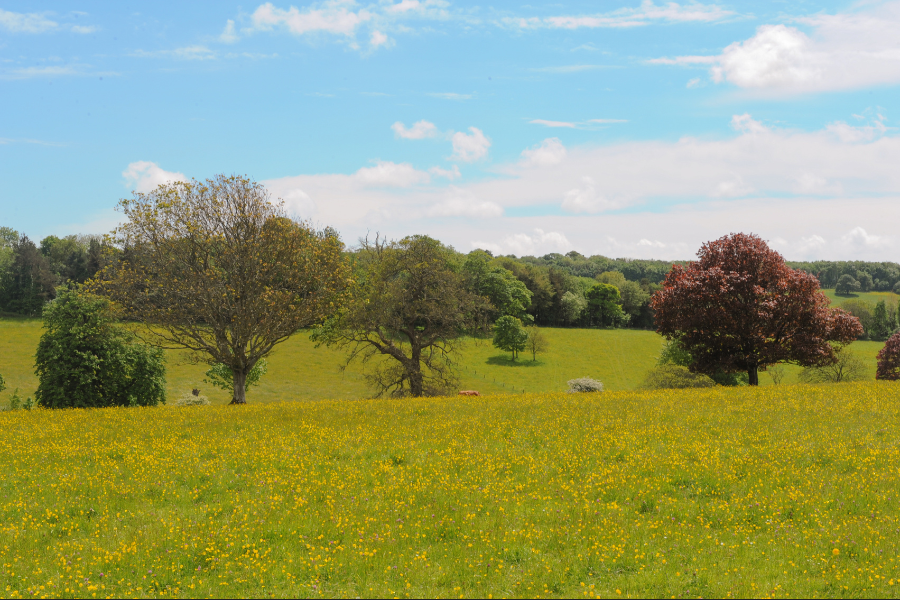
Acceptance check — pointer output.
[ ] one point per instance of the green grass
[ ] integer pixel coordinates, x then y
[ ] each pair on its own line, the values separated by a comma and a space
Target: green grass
748, 492
872, 297
620, 358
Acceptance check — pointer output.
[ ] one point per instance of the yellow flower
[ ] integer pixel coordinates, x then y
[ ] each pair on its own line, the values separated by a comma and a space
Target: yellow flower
835, 552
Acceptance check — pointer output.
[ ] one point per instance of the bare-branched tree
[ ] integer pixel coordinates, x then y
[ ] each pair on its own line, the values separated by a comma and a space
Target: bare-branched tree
216, 268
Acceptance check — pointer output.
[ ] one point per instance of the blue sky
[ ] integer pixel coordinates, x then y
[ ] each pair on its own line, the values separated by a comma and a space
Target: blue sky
620, 128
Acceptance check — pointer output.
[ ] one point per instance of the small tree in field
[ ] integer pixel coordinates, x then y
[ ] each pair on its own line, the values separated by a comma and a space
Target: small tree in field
218, 269
846, 285
537, 343
739, 307
889, 359
85, 360
847, 367
510, 335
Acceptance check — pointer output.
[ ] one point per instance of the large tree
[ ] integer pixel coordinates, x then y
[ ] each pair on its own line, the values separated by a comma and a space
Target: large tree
739, 307
215, 267
407, 308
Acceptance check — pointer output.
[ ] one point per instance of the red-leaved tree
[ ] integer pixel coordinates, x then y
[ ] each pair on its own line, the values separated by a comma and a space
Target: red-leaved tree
889, 359
739, 307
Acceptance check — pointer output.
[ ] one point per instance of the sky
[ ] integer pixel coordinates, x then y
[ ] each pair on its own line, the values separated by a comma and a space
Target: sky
622, 128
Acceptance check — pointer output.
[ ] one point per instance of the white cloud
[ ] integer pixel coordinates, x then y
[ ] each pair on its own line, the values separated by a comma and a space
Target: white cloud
470, 147
462, 203
186, 53
647, 14
747, 124
733, 187
546, 123
144, 176
451, 96
329, 17
847, 50
13, 22
549, 152
692, 83
379, 39
450, 174
523, 244
585, 199
420, 130
299, 203
84, 29
864, 133
229, 35
389, 174
568, 68
74, 70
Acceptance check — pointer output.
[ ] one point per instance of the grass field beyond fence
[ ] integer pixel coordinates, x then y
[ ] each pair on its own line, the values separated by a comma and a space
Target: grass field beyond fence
727, 492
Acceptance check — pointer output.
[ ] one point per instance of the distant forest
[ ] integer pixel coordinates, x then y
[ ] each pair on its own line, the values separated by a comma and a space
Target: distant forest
560, 284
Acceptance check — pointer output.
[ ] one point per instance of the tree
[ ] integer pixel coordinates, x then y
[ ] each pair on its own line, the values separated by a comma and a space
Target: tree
572, 306
508, 295
889, 359
28, 282
846, 285
739, 307
537, 343
404, 315
862, 310
634, 299
510, 335
84, 360
216, 268
881, 322
221, 376
604, 303
847, 367
865, 281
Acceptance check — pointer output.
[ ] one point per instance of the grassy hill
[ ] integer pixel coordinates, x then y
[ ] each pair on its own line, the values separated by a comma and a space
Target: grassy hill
748, 492
620, 358
872, 297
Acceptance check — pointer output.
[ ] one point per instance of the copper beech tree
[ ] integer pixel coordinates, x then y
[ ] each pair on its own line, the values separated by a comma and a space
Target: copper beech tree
889, 360
216, 268
739, 307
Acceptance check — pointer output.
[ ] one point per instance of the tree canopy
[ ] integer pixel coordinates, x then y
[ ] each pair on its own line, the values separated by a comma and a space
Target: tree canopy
215, 267
739, 307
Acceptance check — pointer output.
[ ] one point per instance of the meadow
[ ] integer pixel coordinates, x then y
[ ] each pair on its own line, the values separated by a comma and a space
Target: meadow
620, 358
778, 491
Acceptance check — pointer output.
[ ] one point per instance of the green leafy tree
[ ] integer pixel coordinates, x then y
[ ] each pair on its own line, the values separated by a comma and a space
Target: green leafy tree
537, 343
865, 281
85, 360
28, 282
863, 311
510, 335
508, 295
881, 322
604, 303
405, 314
572, 307
846, 285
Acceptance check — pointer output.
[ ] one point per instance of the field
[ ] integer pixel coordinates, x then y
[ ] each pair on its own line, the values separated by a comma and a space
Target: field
872, 297
787, 491
297, 370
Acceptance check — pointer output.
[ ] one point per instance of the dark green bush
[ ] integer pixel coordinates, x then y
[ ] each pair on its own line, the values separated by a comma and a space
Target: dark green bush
85, 360
671, 376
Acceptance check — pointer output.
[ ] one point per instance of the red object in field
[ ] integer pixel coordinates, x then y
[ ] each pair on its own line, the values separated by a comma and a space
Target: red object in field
469, 393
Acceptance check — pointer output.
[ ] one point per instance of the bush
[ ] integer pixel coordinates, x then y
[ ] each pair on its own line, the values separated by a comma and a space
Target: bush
2, 383
889, 359
584, 384
671, 376
84, 360
189, 399
847, 367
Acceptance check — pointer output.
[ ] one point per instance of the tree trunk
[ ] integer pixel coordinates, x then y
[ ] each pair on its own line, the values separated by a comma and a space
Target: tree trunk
416, 387
240, 391
753, 375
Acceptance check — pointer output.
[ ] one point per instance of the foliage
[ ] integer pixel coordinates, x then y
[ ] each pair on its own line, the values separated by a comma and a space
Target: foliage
584, 385
674, 376
674, 353
881, 326
572, 307
222, 377
846, 285
537, 343
776, 372
862, 310
510, 335
405, 313
847, 367
889, 360
507, 294
27, 282
739, 307
189, 399
604, 304
2, 383
216, 268
84, 360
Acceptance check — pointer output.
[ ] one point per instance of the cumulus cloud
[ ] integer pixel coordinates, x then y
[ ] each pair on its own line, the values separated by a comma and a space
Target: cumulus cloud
538, 243
847, 50
229, 34
646, 14
462, 203
420, 130
144, 176
585, 199
470, 147
389, 174
329, 17
549, 152
450, 174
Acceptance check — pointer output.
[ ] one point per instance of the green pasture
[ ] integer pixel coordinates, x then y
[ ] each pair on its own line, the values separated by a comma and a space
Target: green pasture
872, 297
620, 358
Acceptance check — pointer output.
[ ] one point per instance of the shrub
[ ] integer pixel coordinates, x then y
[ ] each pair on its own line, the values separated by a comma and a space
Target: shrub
584, 384
671, 376
889, 359
2, 383
84, 360
847, 367
189, 399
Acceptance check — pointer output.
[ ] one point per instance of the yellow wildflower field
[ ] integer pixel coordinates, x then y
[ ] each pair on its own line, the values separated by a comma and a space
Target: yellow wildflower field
777, 491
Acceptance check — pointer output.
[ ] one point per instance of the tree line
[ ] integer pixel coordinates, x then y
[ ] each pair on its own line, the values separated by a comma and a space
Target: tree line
219, 269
